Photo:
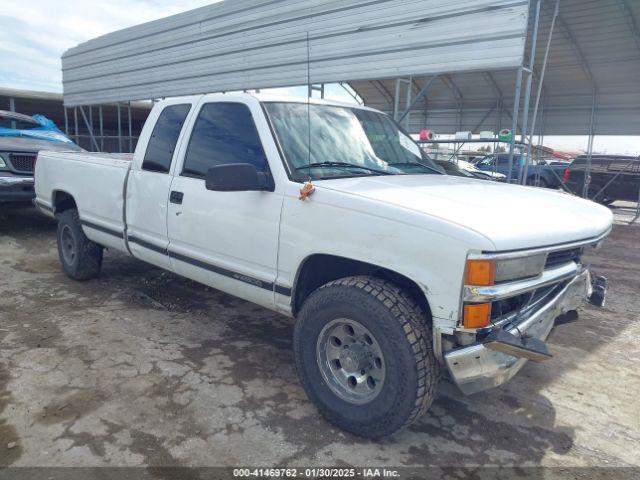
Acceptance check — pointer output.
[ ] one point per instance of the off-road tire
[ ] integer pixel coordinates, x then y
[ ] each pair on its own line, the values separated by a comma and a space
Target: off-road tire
87, 259
401, 329
601, 198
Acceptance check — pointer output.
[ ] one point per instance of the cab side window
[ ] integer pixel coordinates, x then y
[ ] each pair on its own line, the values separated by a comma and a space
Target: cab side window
224, 133
163, 140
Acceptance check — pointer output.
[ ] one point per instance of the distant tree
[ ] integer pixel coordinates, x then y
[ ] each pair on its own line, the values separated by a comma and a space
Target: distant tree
485, 149
500, 149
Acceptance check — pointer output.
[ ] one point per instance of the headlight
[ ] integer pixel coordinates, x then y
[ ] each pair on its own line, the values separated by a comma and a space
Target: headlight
490, 272
519, 268
2, 164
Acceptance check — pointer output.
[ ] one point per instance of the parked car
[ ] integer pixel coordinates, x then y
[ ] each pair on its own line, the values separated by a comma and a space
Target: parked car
482, 174
21, 138
391, 270
550, 173
460, 168
618, 175
450, 168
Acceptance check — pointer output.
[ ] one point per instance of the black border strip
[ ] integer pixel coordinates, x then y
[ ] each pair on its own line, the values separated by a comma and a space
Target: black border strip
147, 245
279, 289
223, 271
102, 229
43, 205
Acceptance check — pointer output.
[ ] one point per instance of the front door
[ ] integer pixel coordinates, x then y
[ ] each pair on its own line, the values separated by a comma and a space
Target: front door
228, 240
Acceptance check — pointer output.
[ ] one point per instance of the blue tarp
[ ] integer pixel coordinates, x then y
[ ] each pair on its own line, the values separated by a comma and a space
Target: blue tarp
46, 131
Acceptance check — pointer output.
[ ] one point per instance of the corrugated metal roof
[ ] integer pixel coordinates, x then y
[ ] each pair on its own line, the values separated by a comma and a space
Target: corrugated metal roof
245, 44
596, 44
475, 45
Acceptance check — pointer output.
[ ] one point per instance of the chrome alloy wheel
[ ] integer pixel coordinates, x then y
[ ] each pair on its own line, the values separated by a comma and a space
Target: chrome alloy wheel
351, 361
68, 245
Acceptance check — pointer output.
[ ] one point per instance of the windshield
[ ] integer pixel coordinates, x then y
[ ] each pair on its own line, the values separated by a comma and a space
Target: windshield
17, 123
345, 142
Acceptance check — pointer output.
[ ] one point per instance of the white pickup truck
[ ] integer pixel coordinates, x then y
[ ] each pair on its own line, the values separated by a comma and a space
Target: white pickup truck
329, 213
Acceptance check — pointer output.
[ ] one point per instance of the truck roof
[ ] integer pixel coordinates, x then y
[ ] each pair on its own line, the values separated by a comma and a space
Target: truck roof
268, 97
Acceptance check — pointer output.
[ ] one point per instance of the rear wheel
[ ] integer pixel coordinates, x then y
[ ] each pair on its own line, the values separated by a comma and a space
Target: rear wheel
81, 258
542, 183
600, 196
364, 356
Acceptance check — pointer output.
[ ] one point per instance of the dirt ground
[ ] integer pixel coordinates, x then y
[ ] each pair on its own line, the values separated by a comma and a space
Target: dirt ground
141, 367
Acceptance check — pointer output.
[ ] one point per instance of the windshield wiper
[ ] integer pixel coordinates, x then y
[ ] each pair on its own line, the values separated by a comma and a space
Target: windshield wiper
342, 165
403, 164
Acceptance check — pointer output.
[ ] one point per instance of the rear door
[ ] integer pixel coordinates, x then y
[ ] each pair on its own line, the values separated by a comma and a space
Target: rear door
623, 174
149, 185
228, 240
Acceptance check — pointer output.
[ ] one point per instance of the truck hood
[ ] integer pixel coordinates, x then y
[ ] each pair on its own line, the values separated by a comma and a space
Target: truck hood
22, 144
510, 216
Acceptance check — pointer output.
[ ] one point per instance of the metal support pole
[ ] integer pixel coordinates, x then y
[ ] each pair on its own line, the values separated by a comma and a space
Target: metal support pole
66, 121
637, 210
543, 71
587, 172
12, 108
408, 102
75, 121
527, 94
514, 117
101, 129
119, 130
90, 129
396, 100
130, 130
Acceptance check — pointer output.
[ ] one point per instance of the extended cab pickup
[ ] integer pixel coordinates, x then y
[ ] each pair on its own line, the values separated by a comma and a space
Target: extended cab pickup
331, 214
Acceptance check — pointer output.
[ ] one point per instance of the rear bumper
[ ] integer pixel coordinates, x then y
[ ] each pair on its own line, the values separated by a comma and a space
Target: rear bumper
476, 367
16, 189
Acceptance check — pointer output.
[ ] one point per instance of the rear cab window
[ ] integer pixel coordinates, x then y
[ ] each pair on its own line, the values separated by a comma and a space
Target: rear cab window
164, 138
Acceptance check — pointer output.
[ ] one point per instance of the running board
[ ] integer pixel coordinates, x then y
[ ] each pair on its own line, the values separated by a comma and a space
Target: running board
529, 348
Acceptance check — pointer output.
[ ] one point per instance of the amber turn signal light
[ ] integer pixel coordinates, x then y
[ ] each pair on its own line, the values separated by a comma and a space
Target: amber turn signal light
480, 272
477, 315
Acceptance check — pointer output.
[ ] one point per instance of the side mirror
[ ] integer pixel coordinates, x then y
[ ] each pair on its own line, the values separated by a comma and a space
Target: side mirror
237, 177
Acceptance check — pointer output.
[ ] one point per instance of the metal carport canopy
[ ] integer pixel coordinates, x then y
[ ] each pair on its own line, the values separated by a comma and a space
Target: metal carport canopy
248, 44
475, 47
594, 55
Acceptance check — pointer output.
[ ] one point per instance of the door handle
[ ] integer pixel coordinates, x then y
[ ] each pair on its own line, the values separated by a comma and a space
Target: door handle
176, 197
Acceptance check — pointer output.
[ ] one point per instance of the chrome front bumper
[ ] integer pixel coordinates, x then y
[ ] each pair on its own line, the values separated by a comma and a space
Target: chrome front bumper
6, 182
476, 367
16, 189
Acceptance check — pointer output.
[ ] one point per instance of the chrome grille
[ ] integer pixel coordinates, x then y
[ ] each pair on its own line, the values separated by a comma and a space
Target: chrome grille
23, 162
562, 257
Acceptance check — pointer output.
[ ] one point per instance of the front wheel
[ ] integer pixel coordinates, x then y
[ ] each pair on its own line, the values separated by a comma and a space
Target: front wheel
364, 356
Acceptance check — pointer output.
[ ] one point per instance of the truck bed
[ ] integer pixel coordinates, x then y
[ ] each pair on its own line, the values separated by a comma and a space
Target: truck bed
97, 183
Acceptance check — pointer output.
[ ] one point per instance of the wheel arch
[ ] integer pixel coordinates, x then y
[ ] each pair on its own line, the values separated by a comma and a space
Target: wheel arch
319, 269
61, 201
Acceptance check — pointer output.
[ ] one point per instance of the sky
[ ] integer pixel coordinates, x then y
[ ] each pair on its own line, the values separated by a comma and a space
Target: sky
35, 33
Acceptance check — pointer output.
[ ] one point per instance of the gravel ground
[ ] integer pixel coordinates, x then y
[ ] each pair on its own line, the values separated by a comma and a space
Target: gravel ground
143, 368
